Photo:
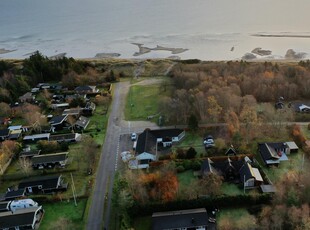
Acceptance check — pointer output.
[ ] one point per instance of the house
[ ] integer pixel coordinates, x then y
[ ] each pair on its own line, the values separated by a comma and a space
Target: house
60, 106
237, 171
44, 184
14, 194
27, 97
86, 89
191, 219
29, 154
49, 160
26, 218
89, 109
231, 151
15, 134
82, 123
291, 147
58, 122
273, 153
36, 137
149, 144
72, 112
250, 176
68, 137
4, 134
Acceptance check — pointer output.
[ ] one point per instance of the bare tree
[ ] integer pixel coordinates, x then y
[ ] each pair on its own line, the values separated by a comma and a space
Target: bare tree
25, 165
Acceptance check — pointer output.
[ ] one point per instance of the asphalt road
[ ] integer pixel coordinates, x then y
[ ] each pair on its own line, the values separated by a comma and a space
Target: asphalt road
106, 168
109, 159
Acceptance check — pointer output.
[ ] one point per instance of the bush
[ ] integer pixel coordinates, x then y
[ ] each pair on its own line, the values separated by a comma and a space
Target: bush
191, 153
180, 169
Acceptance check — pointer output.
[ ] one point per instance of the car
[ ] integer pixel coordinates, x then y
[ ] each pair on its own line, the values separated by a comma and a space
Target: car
212, 220
133, 136
209, 142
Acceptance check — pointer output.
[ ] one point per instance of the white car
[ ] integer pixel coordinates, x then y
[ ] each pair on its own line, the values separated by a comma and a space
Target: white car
209, 142
133, 136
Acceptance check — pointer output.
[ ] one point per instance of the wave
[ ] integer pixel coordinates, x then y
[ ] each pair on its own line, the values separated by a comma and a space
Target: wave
283, 35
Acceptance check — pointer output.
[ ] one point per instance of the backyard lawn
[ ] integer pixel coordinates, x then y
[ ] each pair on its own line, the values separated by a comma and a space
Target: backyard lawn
73, 215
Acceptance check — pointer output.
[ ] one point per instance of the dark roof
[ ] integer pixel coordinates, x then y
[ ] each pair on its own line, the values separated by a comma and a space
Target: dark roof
84, 88
4, 206
21, 217
29, 153
231, 151
4, 132
147, 140
14, 194
58, 119
63, 137
268, 150
221, 167
162, 133
47, 182
245, 172
49, 158
180, 219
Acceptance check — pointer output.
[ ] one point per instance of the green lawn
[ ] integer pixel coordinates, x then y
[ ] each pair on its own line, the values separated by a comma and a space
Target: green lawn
294, 163
231, 189
185, 178
143, 101
66, 209
192, 140
143, 223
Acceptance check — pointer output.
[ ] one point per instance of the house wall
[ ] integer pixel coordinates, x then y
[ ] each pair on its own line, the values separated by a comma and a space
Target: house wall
249, 183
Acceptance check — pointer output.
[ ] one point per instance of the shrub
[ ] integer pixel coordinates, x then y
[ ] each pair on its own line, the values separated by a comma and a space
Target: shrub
180, 169
191, 153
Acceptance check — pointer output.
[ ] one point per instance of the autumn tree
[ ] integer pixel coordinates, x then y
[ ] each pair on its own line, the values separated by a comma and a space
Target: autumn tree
193, 122
25, 165
248, 117
5, 109
214, 109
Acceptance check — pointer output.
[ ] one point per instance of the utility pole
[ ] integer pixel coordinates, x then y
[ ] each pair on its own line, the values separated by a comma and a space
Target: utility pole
73, 190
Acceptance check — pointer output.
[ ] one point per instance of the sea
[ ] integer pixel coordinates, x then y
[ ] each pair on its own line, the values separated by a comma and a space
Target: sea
206, 29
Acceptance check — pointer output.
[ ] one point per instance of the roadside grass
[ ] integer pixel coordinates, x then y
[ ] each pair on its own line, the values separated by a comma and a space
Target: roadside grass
236, 218
143, 101
65, 209
143, 223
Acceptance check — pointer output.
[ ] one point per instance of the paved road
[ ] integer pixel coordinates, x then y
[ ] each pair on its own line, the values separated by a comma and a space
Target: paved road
106, 167
109, 157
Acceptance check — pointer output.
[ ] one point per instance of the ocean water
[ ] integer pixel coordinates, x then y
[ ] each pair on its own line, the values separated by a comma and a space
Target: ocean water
207, 28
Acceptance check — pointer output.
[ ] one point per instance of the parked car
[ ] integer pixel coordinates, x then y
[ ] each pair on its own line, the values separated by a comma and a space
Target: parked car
209, 142
133, 136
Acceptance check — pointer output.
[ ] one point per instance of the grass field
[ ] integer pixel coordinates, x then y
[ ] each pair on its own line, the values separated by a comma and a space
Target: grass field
192, 140
143, 101
74, 214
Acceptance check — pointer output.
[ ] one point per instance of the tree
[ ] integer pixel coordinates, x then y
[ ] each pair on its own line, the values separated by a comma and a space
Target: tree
191, 153
214, 109
193, 122
212, 183
5, 109
25, 165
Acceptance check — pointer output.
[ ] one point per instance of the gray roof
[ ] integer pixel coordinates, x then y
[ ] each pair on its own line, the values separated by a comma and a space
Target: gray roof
58, 119
49, 158
82, 122
180, 219
21, 217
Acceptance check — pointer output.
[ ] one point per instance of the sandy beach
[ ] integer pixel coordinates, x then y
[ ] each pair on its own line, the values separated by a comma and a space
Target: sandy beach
144, 49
